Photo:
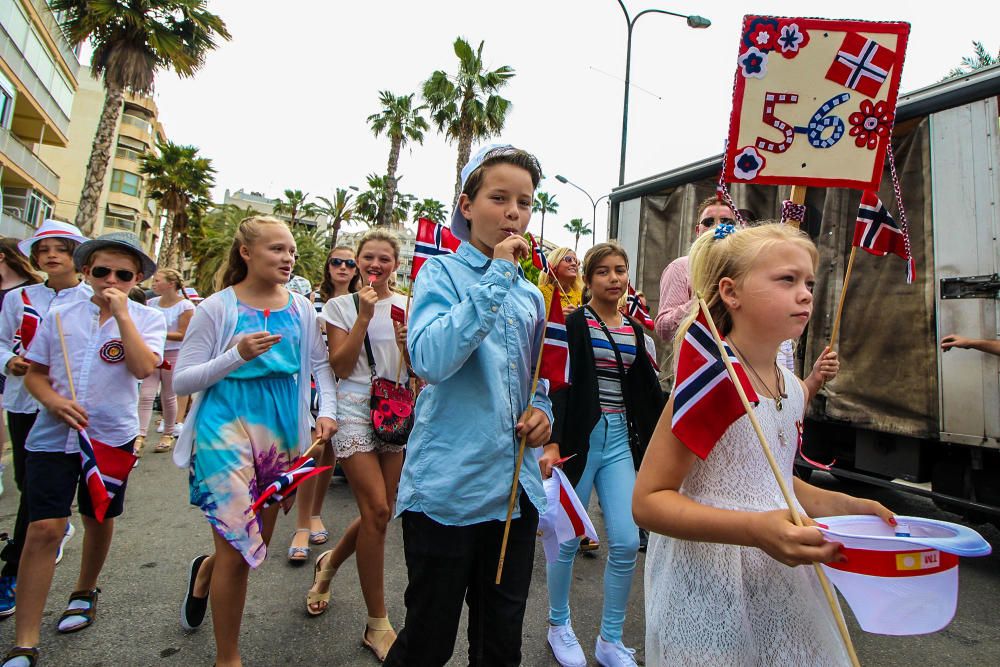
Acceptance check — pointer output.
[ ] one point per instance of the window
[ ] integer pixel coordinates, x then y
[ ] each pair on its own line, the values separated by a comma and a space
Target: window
6, 108
135, 121
125, 182
39, 208
119, 222
126, 154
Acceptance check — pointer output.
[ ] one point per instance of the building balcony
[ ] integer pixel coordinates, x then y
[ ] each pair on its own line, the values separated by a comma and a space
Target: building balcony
15, 227
27, 165
66, 49
41, 107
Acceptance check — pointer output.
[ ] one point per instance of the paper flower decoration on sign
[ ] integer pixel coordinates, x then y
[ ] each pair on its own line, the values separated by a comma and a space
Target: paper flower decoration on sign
802, 85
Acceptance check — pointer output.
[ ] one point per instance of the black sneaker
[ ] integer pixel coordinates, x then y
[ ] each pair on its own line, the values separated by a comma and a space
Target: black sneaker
193, 608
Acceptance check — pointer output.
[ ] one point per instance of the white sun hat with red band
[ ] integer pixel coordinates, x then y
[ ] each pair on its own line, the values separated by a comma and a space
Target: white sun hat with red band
900, 580
192, 294
51, 229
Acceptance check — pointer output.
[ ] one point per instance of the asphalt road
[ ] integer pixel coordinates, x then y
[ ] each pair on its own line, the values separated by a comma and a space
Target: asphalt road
137, 623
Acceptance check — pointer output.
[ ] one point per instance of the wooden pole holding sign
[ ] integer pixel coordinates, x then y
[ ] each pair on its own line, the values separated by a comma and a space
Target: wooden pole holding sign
797, 196
785, 492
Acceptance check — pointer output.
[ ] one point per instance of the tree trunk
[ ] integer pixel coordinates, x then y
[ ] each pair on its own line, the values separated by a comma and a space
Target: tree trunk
100, 157
576, 242
336, 233
541, 235
389, 191
464, 150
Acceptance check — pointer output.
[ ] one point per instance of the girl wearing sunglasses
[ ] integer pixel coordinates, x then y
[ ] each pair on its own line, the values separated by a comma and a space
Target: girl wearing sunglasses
340, 277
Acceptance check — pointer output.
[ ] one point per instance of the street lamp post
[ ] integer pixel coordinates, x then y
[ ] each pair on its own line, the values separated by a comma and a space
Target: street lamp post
593, 227
693, 21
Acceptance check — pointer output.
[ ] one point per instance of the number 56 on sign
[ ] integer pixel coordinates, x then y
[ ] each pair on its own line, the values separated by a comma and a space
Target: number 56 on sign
814, 101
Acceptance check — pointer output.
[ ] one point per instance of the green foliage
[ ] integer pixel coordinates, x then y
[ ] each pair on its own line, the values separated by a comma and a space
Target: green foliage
181, 181
311, 247
981, 58
133, 40
211, 241
295, 206
339, 211
368, 204
577, 228
431, 209
399, 119
530, 270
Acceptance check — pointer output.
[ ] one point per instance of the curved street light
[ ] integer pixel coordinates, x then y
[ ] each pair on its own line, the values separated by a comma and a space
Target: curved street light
693, 21
593, 226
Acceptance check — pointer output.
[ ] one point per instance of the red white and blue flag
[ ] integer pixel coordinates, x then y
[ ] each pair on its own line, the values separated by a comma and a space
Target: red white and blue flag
861, 64
105, 469
538, 257
637, 310
565, 517
433, 239
30, 321
287, 484
555, 348
706, 401
878, 233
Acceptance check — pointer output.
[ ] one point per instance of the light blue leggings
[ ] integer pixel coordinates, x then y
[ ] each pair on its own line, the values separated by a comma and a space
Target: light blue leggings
609, 468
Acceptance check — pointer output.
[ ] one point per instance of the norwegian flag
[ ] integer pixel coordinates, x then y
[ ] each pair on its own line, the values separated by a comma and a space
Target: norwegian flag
861, 64
105, 469
285, 486
555, 349
30, 321
637, 310
565, 517
877, 232
433, 239
705, 399
538, 257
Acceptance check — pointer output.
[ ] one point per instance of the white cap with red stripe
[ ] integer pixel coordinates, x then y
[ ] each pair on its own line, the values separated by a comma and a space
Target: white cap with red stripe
900, 580
51, 229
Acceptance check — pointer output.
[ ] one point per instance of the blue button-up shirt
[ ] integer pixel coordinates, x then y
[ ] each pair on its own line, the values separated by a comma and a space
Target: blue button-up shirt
475, 331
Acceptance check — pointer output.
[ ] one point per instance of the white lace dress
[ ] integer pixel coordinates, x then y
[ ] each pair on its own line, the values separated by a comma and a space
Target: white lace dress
720, 604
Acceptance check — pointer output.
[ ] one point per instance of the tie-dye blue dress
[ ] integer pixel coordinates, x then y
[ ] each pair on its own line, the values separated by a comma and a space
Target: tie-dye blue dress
247, 431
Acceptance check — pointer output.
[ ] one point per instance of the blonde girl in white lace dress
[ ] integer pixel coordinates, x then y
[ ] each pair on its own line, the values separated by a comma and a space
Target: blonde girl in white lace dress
722, 583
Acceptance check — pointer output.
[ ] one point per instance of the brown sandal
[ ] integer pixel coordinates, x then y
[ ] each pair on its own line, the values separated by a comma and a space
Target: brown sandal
29, 652
320, 575
87, 613
383, 637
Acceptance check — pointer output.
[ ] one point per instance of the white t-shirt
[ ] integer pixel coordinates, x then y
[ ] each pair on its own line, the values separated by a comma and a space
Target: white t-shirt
341, 313
173, 315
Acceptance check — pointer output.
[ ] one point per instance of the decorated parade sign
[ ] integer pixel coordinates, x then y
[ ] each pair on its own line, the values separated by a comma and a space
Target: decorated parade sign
814, 101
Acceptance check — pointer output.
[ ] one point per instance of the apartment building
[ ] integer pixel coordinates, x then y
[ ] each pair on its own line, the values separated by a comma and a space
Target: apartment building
124, 202
39, 73
265, 206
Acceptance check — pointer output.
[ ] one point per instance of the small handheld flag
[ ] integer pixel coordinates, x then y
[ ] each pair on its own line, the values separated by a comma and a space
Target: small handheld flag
878, 233
554, 364
565, 517
432, 239
705, 399
287, 484
30, 319
637, 310
538, 257
397, 314
105, 469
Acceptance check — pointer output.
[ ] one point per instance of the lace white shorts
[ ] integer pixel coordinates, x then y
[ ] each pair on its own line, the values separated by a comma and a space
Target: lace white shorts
354, 427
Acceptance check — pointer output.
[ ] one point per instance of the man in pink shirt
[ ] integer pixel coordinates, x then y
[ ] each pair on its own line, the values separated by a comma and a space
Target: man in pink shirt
675, 282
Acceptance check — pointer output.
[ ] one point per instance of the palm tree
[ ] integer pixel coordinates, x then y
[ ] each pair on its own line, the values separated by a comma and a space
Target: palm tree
981, 59
401, 123
431, 209
210, 243
578, 229
368, 205
181, 181
131, 42
544, 203
466, 106
295, 207
338, 211
310, 246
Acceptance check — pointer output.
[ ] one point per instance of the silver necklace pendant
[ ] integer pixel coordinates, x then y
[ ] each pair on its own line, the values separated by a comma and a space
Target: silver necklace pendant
781, 437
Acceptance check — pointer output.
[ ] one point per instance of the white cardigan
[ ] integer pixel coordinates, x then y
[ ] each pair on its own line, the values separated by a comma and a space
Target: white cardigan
205, 360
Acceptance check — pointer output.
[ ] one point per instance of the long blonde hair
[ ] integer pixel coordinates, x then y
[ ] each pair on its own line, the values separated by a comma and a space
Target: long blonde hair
247, 233
733, 257
555, 257
174, 277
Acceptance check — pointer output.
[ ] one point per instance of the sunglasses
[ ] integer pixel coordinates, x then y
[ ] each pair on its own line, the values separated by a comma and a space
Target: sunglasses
336, 261
123, 275
570, 260
709, 222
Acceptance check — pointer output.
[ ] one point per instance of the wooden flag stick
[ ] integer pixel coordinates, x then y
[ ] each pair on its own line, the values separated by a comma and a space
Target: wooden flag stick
402, 353
796, 518
843, 293
520, 453
316, 443
62, 344
797, 196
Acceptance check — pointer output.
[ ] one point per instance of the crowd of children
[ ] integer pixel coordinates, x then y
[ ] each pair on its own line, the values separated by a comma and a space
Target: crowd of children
274, 375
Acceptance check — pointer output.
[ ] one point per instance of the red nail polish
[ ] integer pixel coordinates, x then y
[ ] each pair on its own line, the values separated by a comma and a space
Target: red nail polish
823, 525
892, 521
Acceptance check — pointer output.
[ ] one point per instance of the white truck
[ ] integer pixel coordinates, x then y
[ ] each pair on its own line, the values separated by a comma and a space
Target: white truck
901, 413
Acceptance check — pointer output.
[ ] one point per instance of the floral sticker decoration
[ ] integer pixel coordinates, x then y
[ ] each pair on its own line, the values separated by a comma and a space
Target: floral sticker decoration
753, 63
871, 123
747, 164
791, 39
762, 34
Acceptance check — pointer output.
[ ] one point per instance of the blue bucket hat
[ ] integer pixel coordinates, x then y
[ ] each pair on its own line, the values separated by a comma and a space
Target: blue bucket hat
126, 241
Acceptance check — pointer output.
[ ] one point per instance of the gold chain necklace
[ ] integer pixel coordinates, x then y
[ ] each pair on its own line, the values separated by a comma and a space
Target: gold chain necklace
780, 393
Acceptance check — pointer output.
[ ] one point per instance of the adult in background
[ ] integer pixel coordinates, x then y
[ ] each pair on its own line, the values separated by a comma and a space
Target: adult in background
566, 266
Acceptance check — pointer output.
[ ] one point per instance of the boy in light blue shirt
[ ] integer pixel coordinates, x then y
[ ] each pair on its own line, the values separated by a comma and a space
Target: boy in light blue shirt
476, 328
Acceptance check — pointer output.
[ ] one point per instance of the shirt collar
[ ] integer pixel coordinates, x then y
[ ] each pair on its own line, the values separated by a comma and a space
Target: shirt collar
475, 258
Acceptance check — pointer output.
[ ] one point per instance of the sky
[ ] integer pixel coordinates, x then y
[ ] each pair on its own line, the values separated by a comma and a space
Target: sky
283, 105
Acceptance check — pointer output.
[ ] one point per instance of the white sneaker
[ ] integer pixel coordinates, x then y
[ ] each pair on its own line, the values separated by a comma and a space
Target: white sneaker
70, 532
177, 429
615, 654
566, 647
159, 427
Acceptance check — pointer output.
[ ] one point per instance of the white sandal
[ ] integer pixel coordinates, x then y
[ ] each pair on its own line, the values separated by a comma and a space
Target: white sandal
298, 555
